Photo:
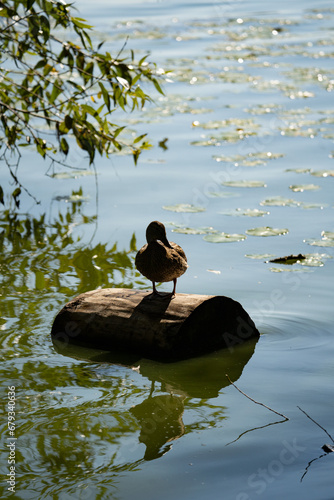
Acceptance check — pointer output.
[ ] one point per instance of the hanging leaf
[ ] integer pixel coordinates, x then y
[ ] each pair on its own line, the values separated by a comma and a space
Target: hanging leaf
56, 91
15, 194
133, 246
139, 138
135, 154
30, 3
64, 146
105, 95
81, 23
157, 86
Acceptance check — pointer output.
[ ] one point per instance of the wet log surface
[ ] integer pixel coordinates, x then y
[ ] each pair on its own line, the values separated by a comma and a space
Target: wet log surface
161, 328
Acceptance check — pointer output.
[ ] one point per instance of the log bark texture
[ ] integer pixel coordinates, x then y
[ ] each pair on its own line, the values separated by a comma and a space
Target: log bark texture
162, 328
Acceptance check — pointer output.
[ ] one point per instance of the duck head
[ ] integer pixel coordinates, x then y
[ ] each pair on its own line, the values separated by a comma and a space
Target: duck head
156, 231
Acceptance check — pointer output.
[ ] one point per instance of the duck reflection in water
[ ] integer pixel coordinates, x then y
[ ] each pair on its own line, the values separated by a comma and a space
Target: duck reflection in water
160, 419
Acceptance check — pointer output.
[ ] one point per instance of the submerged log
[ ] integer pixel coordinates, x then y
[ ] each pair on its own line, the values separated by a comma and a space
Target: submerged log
161, 328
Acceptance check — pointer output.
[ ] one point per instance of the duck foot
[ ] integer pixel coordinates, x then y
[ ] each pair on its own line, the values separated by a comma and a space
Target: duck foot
162, 295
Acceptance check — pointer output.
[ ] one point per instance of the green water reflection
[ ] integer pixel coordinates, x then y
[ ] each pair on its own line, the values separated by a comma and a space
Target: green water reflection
44, 263
42, 256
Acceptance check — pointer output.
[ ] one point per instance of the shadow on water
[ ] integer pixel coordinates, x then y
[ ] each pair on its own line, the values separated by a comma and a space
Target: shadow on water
160, 416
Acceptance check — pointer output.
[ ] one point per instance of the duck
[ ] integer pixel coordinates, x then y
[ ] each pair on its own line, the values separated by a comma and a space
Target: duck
160, 260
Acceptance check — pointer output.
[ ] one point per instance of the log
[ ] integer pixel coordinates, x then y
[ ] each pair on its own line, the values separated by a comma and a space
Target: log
159, 328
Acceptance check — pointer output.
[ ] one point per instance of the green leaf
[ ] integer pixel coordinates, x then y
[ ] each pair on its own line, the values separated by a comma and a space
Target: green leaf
80, 89
40, 146
68, 121
105, 95
139, 138
85, 34
135, 155
157, 86
64, 146
15, 194
45, 27
135, 79
89, 109
41, 64
140, 93
80, 23
30, 3
118, 131
133, 246
56, 91
88, 72
47, 69
142, 60
80, 61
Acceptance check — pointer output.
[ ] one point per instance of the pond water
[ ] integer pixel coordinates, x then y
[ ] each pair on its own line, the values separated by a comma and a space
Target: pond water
245, 176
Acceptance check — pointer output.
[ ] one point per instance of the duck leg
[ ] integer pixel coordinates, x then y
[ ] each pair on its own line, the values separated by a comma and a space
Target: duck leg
174, 287
163, 295
155, 291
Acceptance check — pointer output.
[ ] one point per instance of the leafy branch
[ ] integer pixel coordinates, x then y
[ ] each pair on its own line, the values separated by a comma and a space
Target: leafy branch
70, 86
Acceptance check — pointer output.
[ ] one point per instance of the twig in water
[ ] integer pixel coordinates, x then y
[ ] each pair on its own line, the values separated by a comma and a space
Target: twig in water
308, 416
254, 429
326, 447
309, 465
257, 402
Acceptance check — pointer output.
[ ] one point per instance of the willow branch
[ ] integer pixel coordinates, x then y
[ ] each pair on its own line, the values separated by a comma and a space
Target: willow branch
16, 180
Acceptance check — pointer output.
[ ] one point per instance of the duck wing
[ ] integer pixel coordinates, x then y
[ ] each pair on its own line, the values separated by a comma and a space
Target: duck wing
179, 250
159, 263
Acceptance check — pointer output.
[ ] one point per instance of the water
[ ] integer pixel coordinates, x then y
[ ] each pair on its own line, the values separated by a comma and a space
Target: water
89, 427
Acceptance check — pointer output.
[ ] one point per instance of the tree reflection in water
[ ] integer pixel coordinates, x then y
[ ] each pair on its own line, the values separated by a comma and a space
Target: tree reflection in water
44, 263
